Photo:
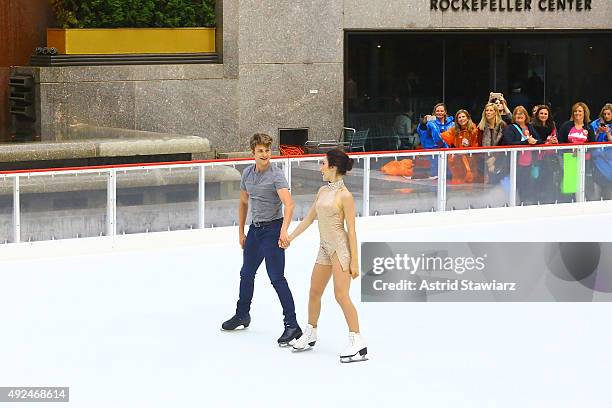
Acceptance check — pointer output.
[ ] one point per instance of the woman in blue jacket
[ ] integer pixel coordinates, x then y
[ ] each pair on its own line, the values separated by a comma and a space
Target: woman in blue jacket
430, 130
602, 157
602, 126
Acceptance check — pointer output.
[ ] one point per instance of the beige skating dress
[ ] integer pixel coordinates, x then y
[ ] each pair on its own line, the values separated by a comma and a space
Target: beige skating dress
334, 238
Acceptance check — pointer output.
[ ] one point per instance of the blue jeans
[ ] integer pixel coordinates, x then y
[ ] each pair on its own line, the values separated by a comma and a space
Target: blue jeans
262, 243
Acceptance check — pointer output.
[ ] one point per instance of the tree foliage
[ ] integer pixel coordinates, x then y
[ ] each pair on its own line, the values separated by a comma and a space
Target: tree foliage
134, 13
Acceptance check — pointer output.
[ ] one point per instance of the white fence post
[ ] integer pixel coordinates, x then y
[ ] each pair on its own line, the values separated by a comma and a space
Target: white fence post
366, 186
513, 161
111, 203
16, 211
581, 188
201, 196
442, 181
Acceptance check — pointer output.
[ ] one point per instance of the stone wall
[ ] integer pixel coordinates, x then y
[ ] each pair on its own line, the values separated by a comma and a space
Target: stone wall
282, 67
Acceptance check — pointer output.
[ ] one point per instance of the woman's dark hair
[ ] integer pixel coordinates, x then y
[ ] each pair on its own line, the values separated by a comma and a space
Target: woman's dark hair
340, 160
549, 122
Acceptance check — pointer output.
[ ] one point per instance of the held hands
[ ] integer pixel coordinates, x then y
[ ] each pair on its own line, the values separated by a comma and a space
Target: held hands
283, 240
465, 142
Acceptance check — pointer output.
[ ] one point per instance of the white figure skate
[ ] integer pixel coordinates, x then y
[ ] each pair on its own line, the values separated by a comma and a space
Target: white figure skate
308, 339
356, 350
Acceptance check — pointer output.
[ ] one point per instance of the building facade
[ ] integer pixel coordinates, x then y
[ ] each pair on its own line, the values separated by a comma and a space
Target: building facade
321, 65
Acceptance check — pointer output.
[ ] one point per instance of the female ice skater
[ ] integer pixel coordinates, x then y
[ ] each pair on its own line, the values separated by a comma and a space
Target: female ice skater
337, 257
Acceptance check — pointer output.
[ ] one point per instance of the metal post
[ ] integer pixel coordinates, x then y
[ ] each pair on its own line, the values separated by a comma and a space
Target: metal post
201, 196
16, 211
513, 161
581, 188
366, 186
111, 203
442, 181
288, 172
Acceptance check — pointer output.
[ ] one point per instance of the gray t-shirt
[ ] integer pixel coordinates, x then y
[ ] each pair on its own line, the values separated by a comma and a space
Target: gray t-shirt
263, 197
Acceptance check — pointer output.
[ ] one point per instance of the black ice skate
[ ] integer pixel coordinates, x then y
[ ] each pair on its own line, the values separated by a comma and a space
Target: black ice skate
236, 322
289, 336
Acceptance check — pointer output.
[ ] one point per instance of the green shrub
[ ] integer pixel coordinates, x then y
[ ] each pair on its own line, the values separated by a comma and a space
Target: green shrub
134, 13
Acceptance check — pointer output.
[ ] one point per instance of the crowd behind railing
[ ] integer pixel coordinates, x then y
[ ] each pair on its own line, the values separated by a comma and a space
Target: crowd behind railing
499, 126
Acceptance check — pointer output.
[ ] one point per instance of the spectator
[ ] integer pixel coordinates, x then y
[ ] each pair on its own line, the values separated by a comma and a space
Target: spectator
490, 130
602, 158
602, 126
463, 135
491, 125
402, 126
430, 130
576, 130
521, 132
547, 160
544, 124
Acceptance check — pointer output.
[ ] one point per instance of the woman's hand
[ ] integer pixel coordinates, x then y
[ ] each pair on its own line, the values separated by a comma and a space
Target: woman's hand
354, 269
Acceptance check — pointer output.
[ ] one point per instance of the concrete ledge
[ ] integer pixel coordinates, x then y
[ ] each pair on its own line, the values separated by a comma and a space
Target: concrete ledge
83, 141
108, 73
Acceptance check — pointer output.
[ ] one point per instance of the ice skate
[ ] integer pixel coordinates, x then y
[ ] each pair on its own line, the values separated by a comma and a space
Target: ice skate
356, 349
236, 322
289, 336
307, 340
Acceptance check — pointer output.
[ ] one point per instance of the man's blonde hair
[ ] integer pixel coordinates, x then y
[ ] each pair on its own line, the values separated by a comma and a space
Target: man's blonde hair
260, 139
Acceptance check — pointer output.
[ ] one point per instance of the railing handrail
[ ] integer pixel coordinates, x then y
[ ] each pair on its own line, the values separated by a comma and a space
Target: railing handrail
380, 153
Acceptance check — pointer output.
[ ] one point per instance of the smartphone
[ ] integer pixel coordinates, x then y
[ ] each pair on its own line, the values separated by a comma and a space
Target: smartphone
495, 96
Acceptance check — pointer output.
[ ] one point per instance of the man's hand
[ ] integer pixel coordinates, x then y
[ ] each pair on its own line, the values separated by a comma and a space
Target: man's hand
283, 240
241, 239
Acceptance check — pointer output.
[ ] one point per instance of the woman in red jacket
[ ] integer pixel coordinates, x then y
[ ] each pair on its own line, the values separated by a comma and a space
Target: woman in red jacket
464, 134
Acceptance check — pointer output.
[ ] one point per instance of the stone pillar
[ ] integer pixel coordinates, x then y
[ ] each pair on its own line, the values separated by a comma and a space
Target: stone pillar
23, 27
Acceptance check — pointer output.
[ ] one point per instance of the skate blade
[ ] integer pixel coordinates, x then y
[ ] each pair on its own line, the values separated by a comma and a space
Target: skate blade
298, 350
355, 359
290, 344
238, 328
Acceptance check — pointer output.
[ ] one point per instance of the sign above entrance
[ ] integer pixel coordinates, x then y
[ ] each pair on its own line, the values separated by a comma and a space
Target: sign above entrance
509, 5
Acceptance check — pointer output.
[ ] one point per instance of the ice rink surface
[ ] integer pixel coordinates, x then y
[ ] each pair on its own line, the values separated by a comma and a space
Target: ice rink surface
136, 323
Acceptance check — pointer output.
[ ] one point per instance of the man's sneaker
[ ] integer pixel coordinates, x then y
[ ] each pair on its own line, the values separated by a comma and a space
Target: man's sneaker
236, 322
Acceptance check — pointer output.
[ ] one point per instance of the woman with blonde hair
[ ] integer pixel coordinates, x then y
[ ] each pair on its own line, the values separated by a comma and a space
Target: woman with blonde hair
602, 158
577, 130
333, 208
491, 125
490, 129
602, 126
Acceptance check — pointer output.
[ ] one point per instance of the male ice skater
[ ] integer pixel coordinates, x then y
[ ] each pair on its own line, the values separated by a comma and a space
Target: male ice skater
265, 186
